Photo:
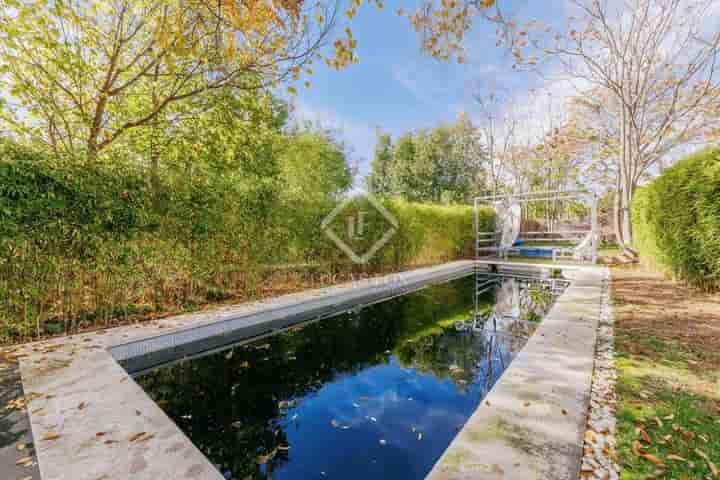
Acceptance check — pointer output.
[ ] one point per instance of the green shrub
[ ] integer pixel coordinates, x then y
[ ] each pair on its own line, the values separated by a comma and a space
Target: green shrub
84, 245
676, 220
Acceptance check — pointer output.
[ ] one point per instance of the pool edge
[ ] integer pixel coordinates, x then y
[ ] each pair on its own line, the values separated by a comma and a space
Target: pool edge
86, 411
532, 423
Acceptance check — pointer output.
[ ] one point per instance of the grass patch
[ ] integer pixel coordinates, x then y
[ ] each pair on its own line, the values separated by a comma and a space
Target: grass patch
667, 421
668, 382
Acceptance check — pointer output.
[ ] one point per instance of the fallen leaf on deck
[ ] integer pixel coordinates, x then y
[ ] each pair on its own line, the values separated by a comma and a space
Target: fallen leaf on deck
136, 436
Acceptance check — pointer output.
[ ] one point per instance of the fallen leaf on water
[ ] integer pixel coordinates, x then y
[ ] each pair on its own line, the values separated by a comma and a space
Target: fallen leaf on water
51, 436
263, 459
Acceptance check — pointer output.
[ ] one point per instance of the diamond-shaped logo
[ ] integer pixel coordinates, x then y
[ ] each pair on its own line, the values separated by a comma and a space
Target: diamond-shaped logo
355, 223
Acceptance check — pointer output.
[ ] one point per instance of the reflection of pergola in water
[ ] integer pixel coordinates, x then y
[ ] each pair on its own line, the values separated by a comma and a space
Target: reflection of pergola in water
506, 326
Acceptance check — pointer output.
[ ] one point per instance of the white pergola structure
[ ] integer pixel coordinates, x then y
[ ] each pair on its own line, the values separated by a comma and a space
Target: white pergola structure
506, 239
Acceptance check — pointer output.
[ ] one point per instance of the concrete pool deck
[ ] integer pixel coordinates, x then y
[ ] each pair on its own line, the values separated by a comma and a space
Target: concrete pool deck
90, 420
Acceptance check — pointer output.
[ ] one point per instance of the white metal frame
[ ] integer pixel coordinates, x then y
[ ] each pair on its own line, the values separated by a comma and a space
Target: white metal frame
486, 241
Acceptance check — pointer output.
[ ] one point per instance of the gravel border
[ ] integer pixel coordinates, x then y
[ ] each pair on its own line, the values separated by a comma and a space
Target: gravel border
600, 457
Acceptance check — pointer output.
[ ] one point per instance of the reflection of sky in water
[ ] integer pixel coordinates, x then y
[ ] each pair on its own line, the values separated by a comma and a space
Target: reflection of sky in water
378, 393
386, 421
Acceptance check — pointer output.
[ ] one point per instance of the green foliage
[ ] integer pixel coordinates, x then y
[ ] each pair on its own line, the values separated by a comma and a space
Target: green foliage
676, 220
438, 165
87, 245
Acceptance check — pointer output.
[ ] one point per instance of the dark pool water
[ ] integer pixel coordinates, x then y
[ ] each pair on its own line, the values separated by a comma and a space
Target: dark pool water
379, 392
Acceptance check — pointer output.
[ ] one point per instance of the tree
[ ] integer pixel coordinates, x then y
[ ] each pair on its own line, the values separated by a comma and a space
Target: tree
498, 130
656, 61
83, 74
379, 181
653, 60
444, 164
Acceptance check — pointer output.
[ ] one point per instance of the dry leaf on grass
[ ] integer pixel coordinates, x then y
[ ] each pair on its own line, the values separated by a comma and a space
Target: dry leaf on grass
637, 448
652, 458
710, 464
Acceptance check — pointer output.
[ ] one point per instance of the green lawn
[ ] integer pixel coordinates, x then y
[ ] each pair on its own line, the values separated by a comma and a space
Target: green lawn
668, 379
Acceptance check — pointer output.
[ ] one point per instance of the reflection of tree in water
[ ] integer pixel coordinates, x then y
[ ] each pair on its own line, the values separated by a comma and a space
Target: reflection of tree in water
233, 404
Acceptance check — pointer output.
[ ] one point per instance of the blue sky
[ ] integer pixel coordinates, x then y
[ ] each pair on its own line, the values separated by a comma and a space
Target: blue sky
397, 88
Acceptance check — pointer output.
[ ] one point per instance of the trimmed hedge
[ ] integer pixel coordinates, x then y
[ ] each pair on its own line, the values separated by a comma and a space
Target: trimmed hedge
676, 220
82, 246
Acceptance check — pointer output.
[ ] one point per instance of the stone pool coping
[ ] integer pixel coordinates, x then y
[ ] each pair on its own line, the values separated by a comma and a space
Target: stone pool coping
531, 424
90, 420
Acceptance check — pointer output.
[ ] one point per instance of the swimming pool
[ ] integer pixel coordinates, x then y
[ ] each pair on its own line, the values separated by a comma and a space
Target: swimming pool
375, 392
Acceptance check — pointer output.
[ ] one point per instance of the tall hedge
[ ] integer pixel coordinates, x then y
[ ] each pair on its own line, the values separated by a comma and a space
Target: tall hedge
676, 220
84, 246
